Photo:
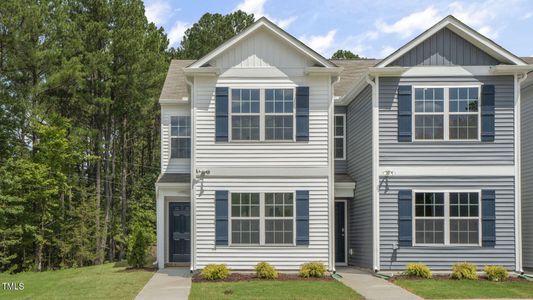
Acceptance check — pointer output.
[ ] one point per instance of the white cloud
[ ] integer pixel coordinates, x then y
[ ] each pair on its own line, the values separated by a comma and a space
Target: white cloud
526, 16
323, 44
257, 7
176, 33
158, 12
484, 13
415, 22
386, 51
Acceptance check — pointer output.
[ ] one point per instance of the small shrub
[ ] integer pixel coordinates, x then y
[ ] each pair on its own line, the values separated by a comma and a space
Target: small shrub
496, 273
418, 270
138, 244
266, 271
312, 269
464, 271
215, 272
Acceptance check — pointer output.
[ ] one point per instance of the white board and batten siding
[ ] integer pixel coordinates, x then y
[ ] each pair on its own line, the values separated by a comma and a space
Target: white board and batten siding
172, 165
262, 60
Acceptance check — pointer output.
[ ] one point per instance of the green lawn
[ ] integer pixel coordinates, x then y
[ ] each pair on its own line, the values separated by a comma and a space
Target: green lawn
464, 289
97, 282
264, 289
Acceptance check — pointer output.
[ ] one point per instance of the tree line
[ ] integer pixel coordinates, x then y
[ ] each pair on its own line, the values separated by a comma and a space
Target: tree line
79, 125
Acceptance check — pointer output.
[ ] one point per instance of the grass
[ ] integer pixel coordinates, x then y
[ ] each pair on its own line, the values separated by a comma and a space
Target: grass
266, 289
97, 282
464, 289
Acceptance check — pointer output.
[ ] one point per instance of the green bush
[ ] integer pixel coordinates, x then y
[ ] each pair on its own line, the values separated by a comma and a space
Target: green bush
418, 270
215, 272
312, 269
266, 271
138, 246
496, 273
464, 271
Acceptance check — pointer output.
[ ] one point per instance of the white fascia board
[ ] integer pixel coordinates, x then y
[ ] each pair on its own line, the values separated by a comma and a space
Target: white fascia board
510, 69
463, 31
446, 170
344, 191
185, 100
322, 70
201, 71
263, 22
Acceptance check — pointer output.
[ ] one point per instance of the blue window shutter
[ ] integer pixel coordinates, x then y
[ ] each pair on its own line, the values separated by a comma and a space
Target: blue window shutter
405, 218
487, 113
488, 218
221, 218
302, 217
405, 104
221, 110
302, 113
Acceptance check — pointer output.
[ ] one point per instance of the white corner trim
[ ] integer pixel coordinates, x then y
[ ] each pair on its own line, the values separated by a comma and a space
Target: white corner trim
447, 170
518, 170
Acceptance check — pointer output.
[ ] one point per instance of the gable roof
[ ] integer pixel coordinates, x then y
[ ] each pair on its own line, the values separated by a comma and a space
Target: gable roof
465, 32
264, 23
175, 88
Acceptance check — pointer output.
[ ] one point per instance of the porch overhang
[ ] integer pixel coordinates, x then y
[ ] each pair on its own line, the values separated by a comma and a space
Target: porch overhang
344, 186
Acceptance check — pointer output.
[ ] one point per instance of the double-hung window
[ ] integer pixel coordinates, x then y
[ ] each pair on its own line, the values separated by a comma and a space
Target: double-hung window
429, 113
245, 114
447, 218
340, 136
245, 218
464, 113
279, 218
180, 137
279, 114
446, 113
262, 219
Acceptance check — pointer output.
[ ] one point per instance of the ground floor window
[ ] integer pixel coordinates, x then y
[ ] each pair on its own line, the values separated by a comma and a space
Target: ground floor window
447, 218
262, 218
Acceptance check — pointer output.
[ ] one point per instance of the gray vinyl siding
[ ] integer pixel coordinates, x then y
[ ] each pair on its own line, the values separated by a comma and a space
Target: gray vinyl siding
443, 49
442, 258
359, 157
499, 152
340, 164
527, 176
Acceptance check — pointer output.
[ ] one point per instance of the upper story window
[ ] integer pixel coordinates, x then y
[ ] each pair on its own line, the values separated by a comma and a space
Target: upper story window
180, 137
446, 113
245, 114
279, 114
262, 114
447, 218
340, 136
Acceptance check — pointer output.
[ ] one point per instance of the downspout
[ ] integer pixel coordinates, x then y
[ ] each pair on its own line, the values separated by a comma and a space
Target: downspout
193, 176
375, 175
331, 177
519, 78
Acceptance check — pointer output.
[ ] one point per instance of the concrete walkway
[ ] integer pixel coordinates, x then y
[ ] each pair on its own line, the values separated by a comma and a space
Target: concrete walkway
168, 283
373, 288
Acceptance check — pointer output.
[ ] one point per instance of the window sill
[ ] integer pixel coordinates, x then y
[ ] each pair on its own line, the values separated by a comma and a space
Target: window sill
262, 246
440, 247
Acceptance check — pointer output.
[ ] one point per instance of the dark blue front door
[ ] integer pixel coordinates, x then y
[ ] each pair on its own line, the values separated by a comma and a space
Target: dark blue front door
340, 232
179, 229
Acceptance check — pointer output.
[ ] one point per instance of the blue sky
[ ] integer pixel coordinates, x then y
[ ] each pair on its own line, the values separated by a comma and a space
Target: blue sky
371, 28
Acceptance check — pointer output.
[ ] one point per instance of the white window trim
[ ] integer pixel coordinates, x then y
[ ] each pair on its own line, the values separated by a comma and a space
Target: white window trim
262, 218
446, 113
172, 136
340, 136
447, 217
262, 115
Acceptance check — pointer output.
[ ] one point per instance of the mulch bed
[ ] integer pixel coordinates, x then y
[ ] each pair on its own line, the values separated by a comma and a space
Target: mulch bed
236, 277
447, 277
145, 269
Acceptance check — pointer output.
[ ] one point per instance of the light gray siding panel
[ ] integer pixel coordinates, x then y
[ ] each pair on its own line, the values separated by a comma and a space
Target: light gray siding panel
340, 165
359, 157
499, 152
445, 48
441, 258
527, 176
